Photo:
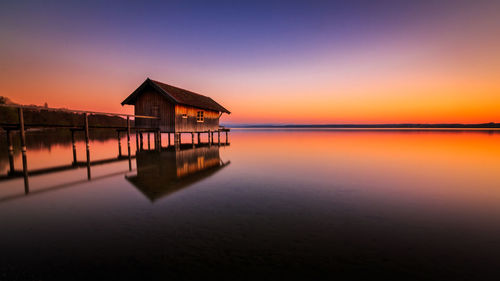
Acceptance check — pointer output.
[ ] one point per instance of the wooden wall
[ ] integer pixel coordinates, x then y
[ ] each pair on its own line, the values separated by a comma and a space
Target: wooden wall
190, 124
171, 116
144, 106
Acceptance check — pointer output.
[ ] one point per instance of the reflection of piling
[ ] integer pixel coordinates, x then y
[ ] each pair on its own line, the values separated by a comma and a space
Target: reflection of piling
11, 152
73, 143
119, 144
22, 134
87, 145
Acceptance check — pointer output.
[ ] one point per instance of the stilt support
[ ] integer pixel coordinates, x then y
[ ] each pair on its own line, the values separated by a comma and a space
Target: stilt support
149, 141
142, 140
136, 140
11, 151
128, 145
159, 140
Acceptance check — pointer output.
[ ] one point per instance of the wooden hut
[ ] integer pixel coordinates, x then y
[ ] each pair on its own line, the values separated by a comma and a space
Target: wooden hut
178, 110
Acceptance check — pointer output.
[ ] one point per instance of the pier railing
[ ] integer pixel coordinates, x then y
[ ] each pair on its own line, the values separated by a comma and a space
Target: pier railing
74, 110
71, 111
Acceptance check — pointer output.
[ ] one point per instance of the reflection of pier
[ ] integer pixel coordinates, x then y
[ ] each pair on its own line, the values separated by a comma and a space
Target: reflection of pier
74, 165
60, 186
162, 173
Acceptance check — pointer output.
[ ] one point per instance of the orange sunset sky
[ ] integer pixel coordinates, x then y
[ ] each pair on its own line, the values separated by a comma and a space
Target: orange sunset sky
269, 62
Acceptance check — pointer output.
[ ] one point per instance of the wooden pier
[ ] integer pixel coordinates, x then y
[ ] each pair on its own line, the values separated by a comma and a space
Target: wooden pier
85, 127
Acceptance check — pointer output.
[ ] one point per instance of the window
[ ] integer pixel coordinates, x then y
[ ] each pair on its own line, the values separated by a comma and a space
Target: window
184, 115
155, 110
199, 116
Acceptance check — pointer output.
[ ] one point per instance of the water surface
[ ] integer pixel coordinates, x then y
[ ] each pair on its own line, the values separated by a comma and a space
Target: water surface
421, 205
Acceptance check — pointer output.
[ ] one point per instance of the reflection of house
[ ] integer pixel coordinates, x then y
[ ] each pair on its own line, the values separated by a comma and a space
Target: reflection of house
162, 173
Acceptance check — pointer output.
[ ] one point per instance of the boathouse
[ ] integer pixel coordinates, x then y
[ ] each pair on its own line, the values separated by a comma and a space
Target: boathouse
178, 110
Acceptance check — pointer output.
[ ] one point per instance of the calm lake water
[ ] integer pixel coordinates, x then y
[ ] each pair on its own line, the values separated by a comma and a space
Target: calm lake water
274, 204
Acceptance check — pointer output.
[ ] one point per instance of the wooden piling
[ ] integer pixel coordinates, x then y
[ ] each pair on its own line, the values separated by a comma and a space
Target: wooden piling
128, 144
159, 140
11, 151
218, 137
227, 140
168, 140
136, 140
153, 138
142, 142
192, 139
22, 135
177, 141
199, 138
149, 141
87, 145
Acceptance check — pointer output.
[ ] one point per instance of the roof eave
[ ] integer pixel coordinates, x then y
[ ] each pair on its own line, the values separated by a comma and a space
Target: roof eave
130, 99
206, 108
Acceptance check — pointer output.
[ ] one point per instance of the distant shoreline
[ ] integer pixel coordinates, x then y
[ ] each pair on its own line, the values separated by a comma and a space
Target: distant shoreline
368, 126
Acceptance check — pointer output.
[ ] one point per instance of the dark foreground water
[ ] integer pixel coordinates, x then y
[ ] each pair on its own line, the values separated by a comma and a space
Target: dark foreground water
275, 204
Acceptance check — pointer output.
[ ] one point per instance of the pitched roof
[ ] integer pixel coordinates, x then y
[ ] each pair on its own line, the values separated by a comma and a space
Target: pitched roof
177, 95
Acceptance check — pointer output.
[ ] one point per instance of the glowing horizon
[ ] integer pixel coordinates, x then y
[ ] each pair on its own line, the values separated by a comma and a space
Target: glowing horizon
267, 62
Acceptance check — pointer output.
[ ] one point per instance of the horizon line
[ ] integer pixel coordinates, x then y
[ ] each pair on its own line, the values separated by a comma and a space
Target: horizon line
385, 125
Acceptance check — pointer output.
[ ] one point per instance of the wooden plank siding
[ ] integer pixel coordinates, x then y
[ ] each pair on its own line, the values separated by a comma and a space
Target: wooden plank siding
190, 124
145, 105
151, 103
